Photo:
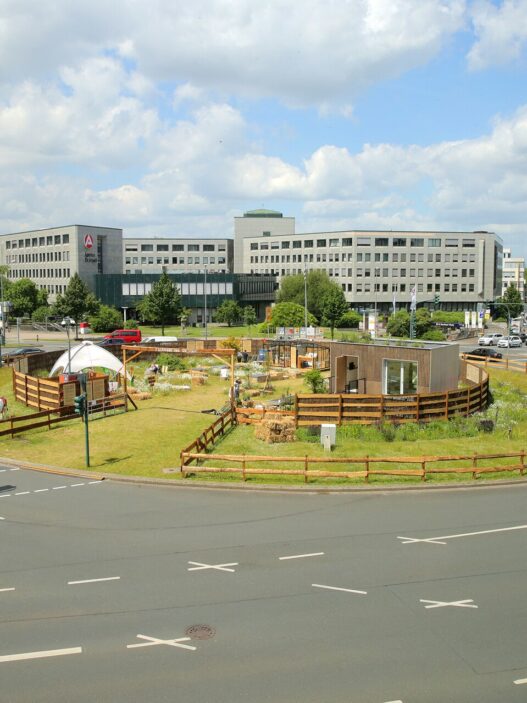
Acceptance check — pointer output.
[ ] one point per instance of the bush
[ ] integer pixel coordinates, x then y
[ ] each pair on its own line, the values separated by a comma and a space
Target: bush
107, 319
231, 343
434, 336
172, 362
350, 319
315, 381
41, 313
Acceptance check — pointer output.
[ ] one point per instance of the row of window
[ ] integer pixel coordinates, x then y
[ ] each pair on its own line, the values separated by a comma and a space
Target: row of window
36, 257
38, 273
140, 271
141, 289
49, 240
360, 257
406, 288
365, 242
176, 260
175, 247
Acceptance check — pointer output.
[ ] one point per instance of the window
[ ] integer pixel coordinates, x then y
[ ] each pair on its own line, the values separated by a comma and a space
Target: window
208, 247
399, 242
347, 242
147, 247
49, 241
162, 247
56, 239
254, 246
297, 244
434, 242
363, 241
193, 247
321, 243
381, 241
416, 242
65, 239
451, 242
333, 242
308, 244
266, 234
285, 245
469, 242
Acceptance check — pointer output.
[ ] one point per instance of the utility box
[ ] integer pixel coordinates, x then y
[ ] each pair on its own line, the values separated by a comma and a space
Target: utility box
328, 436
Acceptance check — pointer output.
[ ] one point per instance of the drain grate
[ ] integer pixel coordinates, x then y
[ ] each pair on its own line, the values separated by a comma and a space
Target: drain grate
200, 632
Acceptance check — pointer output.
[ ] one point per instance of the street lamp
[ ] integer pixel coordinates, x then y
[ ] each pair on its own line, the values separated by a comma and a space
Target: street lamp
205, 294
305, 301
124, 315
67, 323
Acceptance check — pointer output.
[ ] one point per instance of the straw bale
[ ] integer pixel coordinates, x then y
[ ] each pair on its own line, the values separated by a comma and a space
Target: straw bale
276, 428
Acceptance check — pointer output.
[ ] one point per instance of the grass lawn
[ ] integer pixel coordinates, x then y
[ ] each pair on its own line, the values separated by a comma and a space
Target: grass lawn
212, 331
141, 442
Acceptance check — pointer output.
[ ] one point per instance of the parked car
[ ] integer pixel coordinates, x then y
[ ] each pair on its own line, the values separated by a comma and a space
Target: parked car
511, 341
126, 336
490, 339
486, 351
21, 351
115, 342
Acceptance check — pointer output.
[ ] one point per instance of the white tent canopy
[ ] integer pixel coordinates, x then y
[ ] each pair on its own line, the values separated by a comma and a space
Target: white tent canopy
86, 355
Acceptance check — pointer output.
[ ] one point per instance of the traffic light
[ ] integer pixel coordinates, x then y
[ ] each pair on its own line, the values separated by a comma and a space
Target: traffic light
436, 300
80, 404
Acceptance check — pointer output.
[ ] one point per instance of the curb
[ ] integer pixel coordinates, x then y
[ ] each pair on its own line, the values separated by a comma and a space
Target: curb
239, 486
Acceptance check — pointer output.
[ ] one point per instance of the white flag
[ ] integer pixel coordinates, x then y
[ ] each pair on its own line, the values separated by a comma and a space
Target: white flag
394, 304
413, 304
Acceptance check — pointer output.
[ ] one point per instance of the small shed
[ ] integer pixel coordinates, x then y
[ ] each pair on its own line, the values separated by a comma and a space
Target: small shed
298, 354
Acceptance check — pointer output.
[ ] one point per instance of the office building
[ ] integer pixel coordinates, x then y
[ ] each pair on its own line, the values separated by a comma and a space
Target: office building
513, 272
146, 255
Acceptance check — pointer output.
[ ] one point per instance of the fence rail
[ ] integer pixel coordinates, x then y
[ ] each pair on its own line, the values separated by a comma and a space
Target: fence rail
253, 416
486, 362
372, 465
219, 427
44, 418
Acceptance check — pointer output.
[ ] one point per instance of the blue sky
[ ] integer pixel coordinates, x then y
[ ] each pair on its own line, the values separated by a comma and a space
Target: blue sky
171, 118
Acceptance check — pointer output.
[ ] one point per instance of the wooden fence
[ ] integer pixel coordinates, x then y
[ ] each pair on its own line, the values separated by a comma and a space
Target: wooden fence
372, 466
226, 421
253, 416
41, 393
487, 362
44, 418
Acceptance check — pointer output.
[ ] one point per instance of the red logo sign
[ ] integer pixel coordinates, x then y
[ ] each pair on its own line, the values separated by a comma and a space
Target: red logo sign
88, 241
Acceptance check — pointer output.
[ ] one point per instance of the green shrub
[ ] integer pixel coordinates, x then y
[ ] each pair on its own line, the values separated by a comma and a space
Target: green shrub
172, 362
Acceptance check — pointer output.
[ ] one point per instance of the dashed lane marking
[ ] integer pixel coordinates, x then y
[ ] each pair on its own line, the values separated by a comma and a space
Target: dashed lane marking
439, 540
40, 655
3, 590
519, 682
44, 490
337, 588
107, 578
302, 556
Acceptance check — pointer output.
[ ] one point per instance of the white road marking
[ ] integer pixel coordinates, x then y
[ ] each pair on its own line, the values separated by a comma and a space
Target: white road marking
394, 702
198, 566
468, 603
14, 469
2, 518
153, 641
437, 540
6, 495
336, 588
92, 482
57, 488
23, 493
302, 556
44, 490
3, 590
41, 490
108, 578
41, 655
74, 485
519, 682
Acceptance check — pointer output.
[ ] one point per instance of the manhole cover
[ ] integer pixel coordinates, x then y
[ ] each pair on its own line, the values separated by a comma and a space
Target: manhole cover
200, 632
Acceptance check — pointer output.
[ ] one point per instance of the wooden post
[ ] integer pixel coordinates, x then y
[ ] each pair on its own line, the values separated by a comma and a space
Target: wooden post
468, 402
507, 361
367, 468
125, 382
423, 470
446, 405
522, 460
49, 419
381, 407
418, 408
340, 409
296, 411
474, 465
243, 468
11, 427
306, 467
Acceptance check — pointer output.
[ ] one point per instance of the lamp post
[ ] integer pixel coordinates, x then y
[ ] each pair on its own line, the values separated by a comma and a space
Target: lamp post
66, 323
124, 315
305, 301
205, 294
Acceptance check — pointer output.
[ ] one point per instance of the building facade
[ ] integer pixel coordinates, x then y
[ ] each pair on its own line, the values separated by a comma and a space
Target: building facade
376, 268
177, 255
49, 257
513, 272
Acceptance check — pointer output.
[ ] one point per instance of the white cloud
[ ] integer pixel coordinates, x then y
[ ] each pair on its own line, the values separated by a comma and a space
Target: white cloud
501, 32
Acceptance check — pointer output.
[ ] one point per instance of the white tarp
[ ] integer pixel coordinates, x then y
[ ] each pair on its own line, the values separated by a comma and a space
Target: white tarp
86, 355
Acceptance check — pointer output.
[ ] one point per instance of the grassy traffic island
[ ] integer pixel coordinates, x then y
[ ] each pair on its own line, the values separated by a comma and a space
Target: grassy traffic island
148, 441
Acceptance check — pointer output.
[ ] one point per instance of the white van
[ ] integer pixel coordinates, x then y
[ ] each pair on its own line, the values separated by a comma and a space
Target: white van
159, 340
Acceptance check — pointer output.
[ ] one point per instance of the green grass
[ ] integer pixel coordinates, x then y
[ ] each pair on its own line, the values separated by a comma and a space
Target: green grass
212, 331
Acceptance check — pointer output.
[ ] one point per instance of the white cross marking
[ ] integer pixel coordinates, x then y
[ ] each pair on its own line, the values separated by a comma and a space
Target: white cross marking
438, 540
152, 641
198, 566
468, 603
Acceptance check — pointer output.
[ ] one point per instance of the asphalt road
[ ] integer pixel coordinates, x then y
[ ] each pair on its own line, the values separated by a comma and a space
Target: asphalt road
308, 597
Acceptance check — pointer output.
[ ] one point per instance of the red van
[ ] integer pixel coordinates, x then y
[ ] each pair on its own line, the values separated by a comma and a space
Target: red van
126, 336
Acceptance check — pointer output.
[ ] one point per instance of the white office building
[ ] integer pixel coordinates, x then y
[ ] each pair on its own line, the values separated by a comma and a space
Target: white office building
146, 255
513, 272
376, 268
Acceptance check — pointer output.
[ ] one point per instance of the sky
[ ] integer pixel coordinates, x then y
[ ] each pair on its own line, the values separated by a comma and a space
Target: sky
169, 117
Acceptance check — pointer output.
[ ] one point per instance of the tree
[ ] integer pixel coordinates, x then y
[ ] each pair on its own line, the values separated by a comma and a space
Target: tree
513, 303
423, 322
25, 297
290, 315
315, 381
333, 307
77, 301
229, 312
162, 305
350, 320
249, 316
399, 324
107, 319
292, 290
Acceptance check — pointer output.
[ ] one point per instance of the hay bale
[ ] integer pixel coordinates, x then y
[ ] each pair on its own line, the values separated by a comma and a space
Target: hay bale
275, 429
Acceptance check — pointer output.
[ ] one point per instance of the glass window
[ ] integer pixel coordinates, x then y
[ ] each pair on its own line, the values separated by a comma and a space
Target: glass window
417, 242
399, 242
178, 247
333, 242
193, 247
363, 241
208, 247
162, 247
381, 241
400, 377
451, 242
308, 243
285, 245
147, 247
347, 242
321, 242
254, 246
434, 242
469, 242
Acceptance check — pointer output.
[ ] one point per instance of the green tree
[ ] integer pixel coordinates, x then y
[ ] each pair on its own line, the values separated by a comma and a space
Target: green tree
513, 304
315, 381
334, 306
77, 301
107, 319
229, 312
292, 290
399, 324
41, 313
249, 316
25, 297
423, 322
162, 306
290, 315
